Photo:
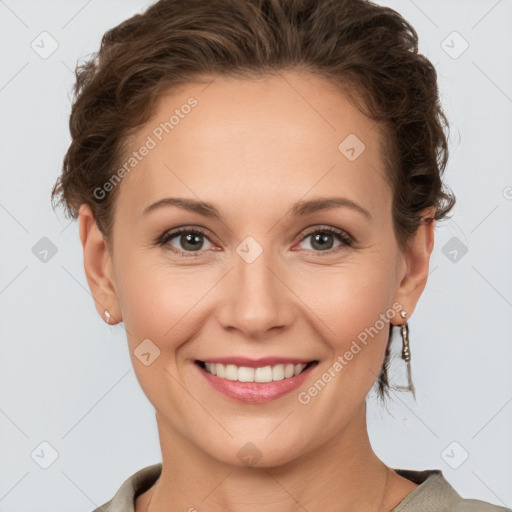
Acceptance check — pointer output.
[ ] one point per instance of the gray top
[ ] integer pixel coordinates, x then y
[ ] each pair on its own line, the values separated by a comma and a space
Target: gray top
434, 493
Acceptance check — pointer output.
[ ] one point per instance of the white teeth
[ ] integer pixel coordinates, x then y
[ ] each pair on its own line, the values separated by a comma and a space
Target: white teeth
278, 372
289, 369
263, 374
246, 374
231, 372
298, 369
220, 370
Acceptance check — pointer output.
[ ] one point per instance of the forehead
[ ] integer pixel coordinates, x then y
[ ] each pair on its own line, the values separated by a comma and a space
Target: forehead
269, 139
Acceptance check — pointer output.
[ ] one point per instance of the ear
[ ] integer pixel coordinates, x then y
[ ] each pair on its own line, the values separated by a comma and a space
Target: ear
415, 259
98, 265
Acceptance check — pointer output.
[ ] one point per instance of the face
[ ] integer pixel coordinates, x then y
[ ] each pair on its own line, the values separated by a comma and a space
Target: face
291, 272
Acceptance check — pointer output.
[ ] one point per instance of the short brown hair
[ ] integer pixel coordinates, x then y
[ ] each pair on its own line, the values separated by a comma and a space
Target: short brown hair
369, 51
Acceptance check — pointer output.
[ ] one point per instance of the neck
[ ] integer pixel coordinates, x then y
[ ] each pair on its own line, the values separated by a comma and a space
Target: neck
344, 474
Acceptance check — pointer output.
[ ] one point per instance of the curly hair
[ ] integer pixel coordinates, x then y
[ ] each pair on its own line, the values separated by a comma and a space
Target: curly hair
368, 51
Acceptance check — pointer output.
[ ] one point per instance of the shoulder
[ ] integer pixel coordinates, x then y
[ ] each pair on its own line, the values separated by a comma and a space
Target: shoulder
435, 494
139, 482
469, 505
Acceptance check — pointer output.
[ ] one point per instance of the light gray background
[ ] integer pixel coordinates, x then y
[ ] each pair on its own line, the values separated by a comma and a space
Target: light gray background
67, 380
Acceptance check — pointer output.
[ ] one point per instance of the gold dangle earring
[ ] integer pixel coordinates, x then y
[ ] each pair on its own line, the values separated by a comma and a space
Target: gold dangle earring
406, 353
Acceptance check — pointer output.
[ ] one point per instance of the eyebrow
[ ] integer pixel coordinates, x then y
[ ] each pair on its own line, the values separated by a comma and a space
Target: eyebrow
298, 209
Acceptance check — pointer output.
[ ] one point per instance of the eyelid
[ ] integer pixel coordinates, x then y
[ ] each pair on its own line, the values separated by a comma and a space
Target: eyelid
172, 233
343, 236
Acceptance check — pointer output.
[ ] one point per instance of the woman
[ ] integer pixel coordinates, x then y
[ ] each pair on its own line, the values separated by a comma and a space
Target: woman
257, 184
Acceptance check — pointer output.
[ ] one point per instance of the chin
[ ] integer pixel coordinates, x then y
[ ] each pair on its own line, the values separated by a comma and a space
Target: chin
257, 450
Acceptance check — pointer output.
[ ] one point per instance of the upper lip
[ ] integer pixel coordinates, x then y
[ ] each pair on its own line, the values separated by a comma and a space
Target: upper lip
256, 363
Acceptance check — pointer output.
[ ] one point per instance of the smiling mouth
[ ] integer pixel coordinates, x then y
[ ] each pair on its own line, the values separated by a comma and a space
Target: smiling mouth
262, 374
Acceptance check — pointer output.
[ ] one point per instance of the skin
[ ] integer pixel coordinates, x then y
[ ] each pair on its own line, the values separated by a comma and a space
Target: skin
252, 148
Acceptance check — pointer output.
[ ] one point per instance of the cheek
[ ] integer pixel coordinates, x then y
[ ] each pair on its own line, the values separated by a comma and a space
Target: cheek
157, 309
157, 298
351, 296
353, 306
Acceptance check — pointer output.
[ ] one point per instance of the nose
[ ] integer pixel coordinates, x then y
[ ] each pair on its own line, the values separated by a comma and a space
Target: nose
256, 299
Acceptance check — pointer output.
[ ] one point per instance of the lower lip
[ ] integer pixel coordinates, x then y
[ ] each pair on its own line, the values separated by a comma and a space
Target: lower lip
256, 392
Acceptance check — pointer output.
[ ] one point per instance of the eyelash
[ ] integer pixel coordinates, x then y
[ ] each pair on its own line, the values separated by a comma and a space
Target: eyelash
342, 236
